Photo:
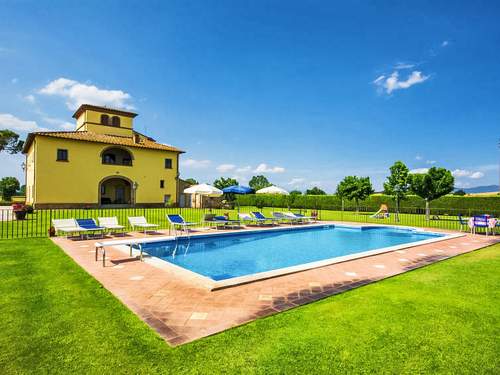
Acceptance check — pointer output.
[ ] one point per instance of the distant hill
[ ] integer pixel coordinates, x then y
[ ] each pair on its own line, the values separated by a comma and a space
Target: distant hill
482, 189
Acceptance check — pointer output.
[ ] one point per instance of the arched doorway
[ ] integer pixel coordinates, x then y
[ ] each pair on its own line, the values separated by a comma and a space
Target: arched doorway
115, 190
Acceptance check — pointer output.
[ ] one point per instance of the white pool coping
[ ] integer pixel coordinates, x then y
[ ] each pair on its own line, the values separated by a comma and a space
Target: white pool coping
206, 282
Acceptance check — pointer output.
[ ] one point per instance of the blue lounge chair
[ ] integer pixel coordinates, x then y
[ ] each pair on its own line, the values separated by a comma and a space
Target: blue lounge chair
90, 226
464, 223
221, 221
480, 222
177, 221
260, 216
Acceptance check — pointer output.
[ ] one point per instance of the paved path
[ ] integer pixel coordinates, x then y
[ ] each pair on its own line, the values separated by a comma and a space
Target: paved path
181, 311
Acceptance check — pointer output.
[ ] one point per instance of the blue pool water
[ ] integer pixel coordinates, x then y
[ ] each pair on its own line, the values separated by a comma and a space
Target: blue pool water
231, 255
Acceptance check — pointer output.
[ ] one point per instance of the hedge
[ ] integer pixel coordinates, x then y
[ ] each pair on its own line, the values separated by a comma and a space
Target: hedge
443, 205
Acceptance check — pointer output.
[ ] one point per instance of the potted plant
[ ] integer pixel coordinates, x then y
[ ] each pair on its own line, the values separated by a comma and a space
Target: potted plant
19, 210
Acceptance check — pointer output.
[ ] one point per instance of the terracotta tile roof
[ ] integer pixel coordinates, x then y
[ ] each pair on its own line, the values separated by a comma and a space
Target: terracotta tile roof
145, 142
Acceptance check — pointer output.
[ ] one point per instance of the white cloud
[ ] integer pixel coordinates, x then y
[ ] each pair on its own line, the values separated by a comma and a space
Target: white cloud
419, 170
401, 65
460, 173
466, 173
476, 175
244, 169
296, 181
8, 121
14, 81
431, 162
223, 168
195, 164
445, 43
418, 157
30, 98
392, 82
62, 124
264, 168
76, 93
67, 126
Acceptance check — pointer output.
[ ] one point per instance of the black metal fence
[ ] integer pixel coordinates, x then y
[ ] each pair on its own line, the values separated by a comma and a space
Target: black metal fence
37, 224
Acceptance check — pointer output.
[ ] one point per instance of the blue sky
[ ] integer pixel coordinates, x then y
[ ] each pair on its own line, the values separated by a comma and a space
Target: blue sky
302, 92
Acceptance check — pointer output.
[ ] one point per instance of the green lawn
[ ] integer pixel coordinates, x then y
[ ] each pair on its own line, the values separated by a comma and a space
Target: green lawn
38, 223
443, 318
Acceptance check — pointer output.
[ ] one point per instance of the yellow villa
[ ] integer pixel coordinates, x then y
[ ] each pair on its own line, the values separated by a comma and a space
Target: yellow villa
104, 162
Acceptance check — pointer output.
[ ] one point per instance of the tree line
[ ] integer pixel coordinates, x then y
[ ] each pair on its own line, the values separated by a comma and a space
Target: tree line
431, 185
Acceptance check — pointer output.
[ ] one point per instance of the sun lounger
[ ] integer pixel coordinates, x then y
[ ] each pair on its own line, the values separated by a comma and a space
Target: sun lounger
67, 226
249, 219
286, 217
479, 222
221, 221
177, 221
111, 224
260, 216
90, 226
299, 217
140, 222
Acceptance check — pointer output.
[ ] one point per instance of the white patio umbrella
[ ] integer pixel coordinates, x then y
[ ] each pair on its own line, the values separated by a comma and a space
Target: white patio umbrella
204, 190
272, 190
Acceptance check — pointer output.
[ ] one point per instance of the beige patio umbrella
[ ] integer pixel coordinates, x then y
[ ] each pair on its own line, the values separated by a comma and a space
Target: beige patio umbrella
204, 190
272, 190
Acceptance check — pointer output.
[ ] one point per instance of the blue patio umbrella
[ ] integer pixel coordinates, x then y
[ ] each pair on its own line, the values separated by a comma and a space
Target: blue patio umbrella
237, 189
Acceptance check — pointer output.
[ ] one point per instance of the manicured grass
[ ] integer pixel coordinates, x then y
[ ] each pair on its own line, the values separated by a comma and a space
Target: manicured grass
440, 319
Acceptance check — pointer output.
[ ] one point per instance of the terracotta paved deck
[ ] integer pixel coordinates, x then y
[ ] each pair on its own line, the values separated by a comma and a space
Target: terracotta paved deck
181, 311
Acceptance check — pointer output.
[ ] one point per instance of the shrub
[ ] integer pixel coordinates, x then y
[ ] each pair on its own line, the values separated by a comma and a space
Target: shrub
450, 204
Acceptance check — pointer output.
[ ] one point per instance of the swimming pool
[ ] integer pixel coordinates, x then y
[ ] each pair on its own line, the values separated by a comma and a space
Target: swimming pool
230, 256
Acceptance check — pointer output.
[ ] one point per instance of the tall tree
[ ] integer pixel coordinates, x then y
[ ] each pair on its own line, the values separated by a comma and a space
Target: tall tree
398, 184
295, 192
355, 188
191, 181
8, 187
259, 182
9, 141
222, 182
315, 191
432, 185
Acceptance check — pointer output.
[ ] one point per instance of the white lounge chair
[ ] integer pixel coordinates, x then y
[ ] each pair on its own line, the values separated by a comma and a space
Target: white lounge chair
67, 226
247, 218
297, 217
140, 222
111, 224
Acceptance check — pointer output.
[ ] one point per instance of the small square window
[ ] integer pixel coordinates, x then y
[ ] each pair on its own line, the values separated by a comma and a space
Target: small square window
62, 154
168, 163
162, 184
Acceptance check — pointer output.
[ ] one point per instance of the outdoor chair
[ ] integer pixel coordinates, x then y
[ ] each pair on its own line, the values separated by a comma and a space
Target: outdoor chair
111, 224
249, 219
463, 223
284, 218
140, 222
177, 221
90, 226
288, 216
67, 226
299, 217
479, 222
221, 221
260, 216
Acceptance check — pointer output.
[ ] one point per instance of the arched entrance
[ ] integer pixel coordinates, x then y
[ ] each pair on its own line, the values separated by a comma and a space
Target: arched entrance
115, 190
